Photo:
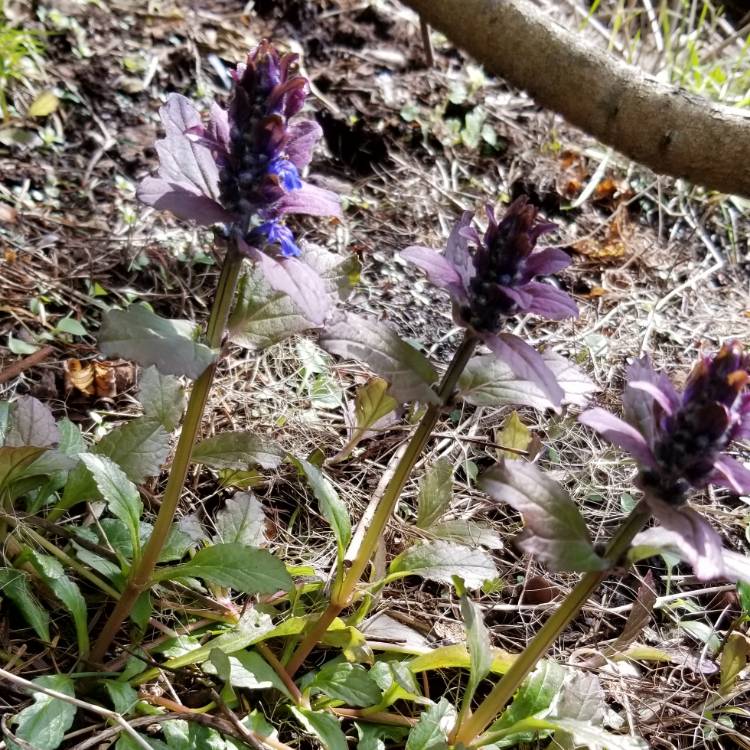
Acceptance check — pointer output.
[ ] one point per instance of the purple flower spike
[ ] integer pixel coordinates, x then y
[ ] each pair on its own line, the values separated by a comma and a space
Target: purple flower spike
242, 168
491, 279
679, 440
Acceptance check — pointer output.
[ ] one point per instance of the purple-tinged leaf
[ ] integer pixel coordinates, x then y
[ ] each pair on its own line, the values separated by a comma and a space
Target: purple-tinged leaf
178, 115
731, 473
31, 424
525, 362
181, 201
689, 534
140, 335
487, 381
262, 316
186, 161
407, 370
549, 301
619, 433
218, 126
555, 531
310, 200
440, 271
302, 137
736, 566
297, 280
520, 295
545, 262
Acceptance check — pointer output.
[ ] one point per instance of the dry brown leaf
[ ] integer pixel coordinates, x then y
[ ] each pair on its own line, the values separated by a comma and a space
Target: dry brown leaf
103, 379
8, 214
78, 377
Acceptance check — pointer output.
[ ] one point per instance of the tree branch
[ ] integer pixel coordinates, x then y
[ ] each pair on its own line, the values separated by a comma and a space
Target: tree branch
663, 127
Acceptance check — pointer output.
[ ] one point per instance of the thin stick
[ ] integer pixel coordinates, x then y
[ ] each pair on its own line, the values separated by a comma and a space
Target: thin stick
15, 369
103, 712
429, 53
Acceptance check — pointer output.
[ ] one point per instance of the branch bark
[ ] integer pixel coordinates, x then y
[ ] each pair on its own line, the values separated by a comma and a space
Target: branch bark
663, 127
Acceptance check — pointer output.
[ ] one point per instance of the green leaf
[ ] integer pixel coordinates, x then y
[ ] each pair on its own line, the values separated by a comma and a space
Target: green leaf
349, 683
371, 736
245, 569
138, 334
432, 730
479, 645
555, 530
248, 670
14, 585
586, 734
262, 317
19, 346
238, 450
332, 507
468, 533
537, 693
407, 370
487, 381
440, 561
31, 423
139, 447
123, 696
71, 326
142, 610
515, 436
242, 520
372, 405
162, 398
435, 494
324, 726
117, 491
67, 591
734, 658
44, 723
15, 461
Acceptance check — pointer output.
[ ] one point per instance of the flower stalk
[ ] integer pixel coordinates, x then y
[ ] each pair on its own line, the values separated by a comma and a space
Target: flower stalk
494, 704
343, 593
140, 578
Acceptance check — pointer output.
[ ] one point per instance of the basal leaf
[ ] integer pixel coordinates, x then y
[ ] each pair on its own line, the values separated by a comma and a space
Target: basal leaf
435, 494
140, 335
162, 398
250, 671
31, 423
373, 410
139, 447
245, 569
555, 530
44, 723
242, 520
594, 737
324, 726
117, 491
238, 450
14, 585
407, 370
67, 591
332, 507
349, 683
440, 561
123, 696
432, 730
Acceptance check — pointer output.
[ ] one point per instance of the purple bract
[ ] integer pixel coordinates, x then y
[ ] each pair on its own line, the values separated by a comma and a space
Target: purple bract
492, 278
242, 168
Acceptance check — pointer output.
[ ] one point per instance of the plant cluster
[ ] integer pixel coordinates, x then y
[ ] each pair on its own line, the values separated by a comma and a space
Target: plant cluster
72, 512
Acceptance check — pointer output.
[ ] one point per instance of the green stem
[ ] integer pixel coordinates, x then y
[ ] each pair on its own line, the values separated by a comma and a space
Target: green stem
141, 576
494, 704
342, 595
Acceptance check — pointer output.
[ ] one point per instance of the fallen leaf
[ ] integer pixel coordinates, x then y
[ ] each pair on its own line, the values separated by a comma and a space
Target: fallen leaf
8, 214
78, 377
103, 379
45, 104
